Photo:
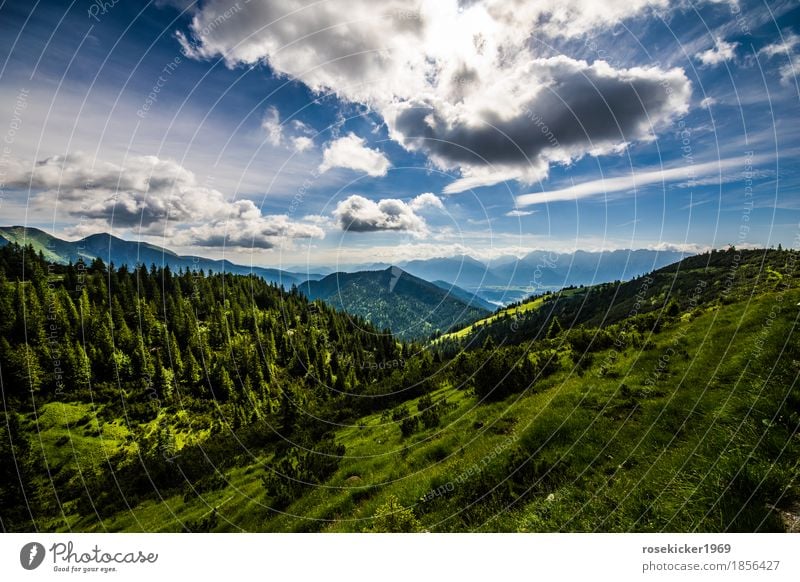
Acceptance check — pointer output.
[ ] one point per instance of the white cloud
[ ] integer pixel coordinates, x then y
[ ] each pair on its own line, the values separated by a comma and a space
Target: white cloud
684, 172
254, 231
293, 133
786, 47
788, 71
152, 195
517, 212
428, 199
708, 102
359, 214
271, 123
477, 177
302, 143
352, 153
458, 81
721, 51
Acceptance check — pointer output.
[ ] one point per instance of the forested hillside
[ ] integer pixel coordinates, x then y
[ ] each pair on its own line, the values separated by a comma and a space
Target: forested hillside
148, 400
410, 307
172, 361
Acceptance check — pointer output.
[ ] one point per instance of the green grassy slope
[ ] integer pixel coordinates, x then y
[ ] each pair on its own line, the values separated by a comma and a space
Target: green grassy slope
694, 431
511, 312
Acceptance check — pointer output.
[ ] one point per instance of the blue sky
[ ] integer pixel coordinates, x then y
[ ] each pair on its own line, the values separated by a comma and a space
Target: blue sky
330, 133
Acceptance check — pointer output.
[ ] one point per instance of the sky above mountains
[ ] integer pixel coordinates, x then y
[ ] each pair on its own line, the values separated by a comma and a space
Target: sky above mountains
332, 133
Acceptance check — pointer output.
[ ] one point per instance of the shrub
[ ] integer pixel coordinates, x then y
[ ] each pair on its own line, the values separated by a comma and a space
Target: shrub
393, 517
409, 425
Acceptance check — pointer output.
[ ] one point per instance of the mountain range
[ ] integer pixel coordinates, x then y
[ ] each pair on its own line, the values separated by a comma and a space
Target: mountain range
414, 298
112, 249
509, 278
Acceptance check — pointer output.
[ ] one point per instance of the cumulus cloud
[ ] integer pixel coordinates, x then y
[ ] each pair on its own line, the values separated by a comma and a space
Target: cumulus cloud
359, 214
572, 109
457, 81
351, 152
153, 195
428, 199
262, 232
721, 51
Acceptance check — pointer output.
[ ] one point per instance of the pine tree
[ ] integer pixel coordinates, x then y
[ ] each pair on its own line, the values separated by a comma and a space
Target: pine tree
555, 328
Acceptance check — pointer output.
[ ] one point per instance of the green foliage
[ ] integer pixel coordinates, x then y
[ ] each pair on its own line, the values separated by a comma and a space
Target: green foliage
226, 398
409, 425
393, 517
395, 300
512, 370
299, 469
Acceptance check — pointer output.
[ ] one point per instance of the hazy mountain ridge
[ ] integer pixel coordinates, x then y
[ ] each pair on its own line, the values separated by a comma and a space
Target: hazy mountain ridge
508, 279
112, 249
496, 282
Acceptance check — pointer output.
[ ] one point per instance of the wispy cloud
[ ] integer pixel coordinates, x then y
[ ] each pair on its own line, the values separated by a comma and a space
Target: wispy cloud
786, 48
633, 181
